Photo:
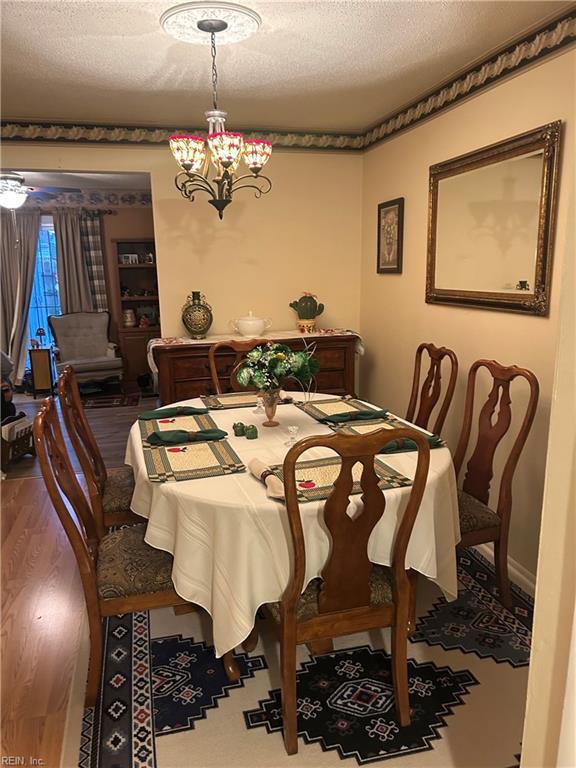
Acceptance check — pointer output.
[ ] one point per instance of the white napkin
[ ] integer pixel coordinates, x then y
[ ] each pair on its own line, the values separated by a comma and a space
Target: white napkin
274, 486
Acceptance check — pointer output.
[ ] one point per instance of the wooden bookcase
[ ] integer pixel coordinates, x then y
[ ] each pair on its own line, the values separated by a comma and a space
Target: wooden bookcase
133, 285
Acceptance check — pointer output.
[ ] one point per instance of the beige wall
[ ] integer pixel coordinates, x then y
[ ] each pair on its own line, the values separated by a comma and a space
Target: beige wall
304, 236
394, 316
549, 735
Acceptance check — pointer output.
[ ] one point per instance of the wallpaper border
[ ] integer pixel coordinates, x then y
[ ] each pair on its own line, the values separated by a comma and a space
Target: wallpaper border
546, 41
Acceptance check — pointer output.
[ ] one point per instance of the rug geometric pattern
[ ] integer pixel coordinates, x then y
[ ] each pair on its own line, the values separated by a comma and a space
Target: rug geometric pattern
188, 680
150, 688
345, 702
477, 622
119, 730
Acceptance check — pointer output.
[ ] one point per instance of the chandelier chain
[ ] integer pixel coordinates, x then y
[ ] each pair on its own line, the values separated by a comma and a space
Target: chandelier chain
214, 70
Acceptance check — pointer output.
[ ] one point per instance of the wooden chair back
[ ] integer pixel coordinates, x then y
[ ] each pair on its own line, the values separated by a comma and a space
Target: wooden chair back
240, 348
79, 429
346, 574
66, 495
491, 430
429, 394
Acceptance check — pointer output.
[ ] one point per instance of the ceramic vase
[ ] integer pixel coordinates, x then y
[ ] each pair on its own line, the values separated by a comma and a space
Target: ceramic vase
197, 315
271, 399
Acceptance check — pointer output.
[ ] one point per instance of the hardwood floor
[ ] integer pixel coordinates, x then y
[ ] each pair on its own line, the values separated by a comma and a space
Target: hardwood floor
42, 600
110, 426
42, 616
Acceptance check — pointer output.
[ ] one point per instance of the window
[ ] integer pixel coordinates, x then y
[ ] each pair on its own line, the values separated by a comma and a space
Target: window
45, 299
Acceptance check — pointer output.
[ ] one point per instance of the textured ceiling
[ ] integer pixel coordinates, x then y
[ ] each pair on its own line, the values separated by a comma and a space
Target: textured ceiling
313, 66
86, 181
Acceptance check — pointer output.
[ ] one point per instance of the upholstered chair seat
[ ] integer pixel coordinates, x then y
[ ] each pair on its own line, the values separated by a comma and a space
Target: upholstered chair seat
127, 566
307, 608
110, 365
116, 498
475, 516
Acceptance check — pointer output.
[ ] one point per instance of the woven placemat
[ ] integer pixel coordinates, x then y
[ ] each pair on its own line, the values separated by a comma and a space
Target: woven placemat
319, 409
191, 461
315, 478
388, 422
230, 400
189, 423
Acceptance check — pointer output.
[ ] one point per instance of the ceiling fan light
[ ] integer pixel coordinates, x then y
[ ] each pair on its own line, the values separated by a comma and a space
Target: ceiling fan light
13, 193
226, 148
256, 154
189, 151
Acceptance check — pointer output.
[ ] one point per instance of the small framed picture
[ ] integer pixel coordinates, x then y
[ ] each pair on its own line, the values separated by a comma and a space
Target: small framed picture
390, 231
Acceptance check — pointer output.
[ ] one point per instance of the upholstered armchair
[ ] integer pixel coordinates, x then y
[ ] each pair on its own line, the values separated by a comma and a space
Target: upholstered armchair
83, 343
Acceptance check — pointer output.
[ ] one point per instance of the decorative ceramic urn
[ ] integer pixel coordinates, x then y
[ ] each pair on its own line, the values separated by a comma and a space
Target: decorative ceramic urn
197, 315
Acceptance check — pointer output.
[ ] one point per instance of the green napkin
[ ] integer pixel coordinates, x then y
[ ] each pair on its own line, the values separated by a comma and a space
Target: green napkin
340, 418
177, 436
168, 413
400, 446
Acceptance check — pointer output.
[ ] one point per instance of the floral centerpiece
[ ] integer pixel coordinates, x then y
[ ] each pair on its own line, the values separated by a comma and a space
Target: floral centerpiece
267, 367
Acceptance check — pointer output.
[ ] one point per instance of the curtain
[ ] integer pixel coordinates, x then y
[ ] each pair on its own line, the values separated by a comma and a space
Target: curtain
73, 282
18, 260
90, 229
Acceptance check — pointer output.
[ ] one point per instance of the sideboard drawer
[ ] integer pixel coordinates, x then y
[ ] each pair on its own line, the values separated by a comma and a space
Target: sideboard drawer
186, 390
184, 368
196, 367
331, 359
184, 371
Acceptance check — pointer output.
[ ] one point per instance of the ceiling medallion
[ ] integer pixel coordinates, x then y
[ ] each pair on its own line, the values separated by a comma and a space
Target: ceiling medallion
184, 22
203, 22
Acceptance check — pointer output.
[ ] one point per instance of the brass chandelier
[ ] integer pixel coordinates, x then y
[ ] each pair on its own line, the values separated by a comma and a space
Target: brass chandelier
221, 151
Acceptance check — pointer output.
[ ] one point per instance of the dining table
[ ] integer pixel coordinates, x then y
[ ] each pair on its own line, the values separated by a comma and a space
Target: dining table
231, 543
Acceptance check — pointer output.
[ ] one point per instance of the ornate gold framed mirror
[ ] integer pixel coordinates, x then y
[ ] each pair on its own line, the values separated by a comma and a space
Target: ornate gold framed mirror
491, 224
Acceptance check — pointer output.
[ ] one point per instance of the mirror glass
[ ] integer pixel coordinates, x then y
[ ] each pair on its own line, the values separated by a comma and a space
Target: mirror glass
487, 229
490, 227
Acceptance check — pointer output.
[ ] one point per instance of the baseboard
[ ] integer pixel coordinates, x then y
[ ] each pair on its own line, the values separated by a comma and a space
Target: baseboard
518, 574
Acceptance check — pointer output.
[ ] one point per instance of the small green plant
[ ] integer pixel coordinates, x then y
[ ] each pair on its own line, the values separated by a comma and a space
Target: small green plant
307, 307
266, 367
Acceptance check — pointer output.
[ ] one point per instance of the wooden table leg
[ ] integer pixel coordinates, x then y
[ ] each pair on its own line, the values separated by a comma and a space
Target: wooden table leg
251, 641
231, 667
317, 647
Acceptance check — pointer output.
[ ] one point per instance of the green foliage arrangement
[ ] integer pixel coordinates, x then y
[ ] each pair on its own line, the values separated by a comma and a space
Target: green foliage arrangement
267, 366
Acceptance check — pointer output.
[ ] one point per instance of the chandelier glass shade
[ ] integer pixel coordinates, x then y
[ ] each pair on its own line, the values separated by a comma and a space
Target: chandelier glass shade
210, 164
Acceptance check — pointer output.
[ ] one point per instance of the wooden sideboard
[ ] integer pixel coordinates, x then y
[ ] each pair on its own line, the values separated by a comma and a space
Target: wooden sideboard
183, 370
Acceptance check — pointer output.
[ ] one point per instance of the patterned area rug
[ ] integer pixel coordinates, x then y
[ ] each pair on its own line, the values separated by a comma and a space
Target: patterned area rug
110, 401
187, 680
151, 688
346, 703
477, 622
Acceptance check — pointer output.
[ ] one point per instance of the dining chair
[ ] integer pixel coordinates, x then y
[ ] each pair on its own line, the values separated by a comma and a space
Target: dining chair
429, 394
120, 573
478, 522
110, 490
240, 348
353, 594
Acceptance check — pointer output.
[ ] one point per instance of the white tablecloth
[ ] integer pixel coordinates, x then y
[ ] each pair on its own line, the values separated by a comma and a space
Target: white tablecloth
230, 542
